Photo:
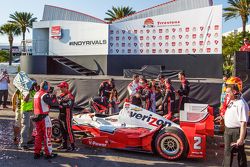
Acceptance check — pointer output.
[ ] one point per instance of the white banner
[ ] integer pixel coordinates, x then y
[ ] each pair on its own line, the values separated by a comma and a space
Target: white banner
79, 38
196, 31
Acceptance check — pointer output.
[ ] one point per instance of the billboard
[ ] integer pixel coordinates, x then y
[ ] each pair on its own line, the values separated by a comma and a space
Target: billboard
196, 31
78, 38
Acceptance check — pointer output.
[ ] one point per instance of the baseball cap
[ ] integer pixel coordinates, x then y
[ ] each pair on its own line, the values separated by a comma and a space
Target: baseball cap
63, 84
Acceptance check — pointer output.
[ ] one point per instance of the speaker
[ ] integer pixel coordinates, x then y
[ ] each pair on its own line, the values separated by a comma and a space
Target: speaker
242, 66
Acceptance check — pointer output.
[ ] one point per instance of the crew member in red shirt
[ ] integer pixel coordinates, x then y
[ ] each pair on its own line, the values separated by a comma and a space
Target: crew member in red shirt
42, 102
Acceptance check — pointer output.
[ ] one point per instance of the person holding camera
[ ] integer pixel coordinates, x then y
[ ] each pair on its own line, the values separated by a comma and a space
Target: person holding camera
4, 81
66, 103
43, 99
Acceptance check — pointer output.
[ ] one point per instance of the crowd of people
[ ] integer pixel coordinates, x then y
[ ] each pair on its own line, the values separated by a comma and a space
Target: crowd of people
145, 93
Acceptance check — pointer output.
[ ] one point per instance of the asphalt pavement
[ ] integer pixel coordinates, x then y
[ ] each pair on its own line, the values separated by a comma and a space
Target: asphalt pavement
11, 156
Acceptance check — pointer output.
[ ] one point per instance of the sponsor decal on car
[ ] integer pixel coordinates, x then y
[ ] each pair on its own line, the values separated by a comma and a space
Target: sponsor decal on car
136, 109
150, 119
111, 119
94, 143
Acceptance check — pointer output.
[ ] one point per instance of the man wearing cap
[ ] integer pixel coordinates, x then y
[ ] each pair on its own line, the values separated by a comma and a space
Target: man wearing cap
106, 87
66, 102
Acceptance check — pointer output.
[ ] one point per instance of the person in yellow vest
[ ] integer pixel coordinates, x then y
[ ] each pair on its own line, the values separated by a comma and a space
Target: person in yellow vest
27, 107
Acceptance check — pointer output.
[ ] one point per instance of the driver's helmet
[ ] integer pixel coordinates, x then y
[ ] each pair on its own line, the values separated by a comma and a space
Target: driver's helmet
235, 81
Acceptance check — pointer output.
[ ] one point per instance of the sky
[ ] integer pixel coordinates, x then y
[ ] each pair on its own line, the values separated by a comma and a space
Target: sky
95, 8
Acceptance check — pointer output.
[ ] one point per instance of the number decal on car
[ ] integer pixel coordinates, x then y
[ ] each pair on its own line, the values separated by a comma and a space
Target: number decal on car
197, 143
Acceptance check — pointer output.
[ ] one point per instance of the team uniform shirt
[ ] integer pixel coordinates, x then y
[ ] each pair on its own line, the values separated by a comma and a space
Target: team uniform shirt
42, 102
184, 88
105, 89
237, 112
245, 48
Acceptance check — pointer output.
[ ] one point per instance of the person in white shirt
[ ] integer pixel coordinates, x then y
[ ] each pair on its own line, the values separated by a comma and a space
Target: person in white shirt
236, 117
133, 85
4, 81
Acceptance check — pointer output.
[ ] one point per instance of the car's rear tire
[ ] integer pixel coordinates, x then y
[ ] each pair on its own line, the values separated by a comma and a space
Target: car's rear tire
56, 130
171, 144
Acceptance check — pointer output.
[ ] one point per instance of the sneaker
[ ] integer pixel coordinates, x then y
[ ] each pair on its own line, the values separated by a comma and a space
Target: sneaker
52, 155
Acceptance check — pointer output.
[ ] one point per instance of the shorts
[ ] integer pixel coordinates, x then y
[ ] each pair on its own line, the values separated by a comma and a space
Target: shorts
18, 117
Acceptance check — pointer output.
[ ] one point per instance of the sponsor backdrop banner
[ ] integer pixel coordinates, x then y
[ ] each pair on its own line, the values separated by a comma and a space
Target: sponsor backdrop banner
197, 31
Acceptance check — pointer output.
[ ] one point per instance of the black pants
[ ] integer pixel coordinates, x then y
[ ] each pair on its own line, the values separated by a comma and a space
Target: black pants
182, 101
231, 135
4, 96
168, 106
66, 128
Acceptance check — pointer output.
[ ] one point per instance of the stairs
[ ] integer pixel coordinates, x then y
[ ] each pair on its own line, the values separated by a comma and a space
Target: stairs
80, 70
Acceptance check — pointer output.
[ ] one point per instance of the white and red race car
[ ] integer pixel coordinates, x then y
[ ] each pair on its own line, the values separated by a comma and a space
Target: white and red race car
140, 130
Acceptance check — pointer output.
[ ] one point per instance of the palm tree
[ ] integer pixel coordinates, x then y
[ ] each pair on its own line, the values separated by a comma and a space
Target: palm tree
24, 21
10, 30
238, 8
118, 12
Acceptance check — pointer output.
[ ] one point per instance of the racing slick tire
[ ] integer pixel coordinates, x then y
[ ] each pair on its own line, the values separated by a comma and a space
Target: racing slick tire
56, 130
171, 144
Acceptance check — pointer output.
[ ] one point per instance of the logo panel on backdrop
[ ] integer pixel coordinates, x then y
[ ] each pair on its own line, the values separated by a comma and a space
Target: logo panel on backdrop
56, 32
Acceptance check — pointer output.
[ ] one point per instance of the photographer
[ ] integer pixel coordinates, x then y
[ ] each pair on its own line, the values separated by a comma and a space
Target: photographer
42, 102
4, 81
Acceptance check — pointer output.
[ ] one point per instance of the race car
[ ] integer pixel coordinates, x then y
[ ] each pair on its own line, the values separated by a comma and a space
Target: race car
137, 129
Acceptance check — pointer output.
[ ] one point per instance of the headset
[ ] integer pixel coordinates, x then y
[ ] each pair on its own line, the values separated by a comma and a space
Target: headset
45, 86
